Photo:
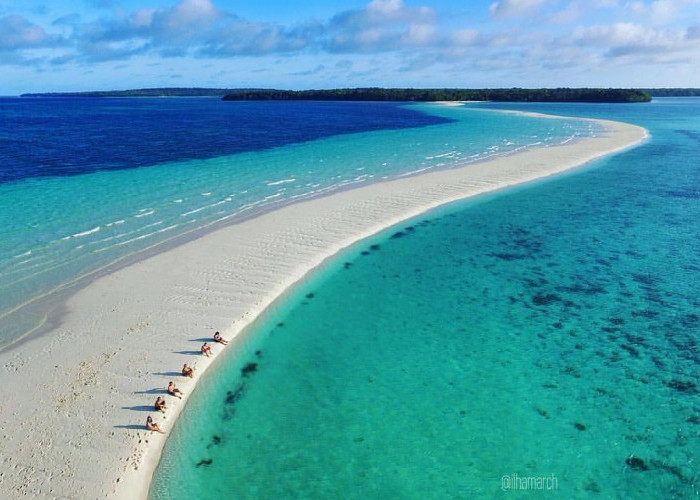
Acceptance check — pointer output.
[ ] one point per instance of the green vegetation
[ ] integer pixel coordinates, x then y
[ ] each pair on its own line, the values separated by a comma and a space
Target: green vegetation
506, 95
395, 94
157, 92
673, 92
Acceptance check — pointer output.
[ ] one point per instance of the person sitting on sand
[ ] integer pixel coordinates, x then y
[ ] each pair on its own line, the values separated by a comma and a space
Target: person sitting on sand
174, 391
152, 426
206, 350
187, 371
218, 338
160, 404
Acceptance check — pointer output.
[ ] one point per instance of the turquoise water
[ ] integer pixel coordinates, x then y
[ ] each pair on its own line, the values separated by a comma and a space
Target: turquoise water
57, 230
549, 331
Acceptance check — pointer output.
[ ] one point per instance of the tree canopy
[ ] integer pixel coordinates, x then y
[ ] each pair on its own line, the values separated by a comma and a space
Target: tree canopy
398, 94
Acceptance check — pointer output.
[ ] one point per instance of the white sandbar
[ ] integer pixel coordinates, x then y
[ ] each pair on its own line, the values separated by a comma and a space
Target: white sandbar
73, 402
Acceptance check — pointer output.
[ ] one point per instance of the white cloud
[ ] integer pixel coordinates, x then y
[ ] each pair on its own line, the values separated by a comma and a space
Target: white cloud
657, 12
413, 37
384, 25
17, 33
465, 37
568, 14
514, 8
626, 39
385, 6
419, 34
660, 12
663, 11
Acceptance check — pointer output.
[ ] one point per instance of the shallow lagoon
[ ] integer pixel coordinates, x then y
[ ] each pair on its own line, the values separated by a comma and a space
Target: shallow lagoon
549, 331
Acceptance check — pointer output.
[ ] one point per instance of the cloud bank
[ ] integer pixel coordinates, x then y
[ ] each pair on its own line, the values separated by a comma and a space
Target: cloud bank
508, 35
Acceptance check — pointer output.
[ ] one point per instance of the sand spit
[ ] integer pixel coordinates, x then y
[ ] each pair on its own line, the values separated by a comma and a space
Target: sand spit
73, 403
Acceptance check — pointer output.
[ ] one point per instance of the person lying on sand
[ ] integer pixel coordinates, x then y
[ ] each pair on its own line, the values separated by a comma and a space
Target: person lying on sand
218, 338
160, 404
174, 391
187, 371
206, 350
152, 426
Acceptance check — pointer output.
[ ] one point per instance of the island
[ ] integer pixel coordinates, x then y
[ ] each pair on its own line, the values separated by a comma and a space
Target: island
387, 94
424, 95
150, 92
673, 92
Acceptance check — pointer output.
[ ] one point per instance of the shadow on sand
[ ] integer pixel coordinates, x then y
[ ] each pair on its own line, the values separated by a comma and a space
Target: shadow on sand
166, 374
153, 391
139, 408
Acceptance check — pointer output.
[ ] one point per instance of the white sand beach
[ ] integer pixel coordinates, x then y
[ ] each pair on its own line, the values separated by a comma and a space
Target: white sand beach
74, 401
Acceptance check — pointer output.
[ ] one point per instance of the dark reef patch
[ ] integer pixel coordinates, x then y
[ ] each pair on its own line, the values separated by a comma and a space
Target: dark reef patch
592, 486
545, 299
683, 386
248, 369
635, 339
508, 256
671, 469
233, 396
582, 289
688, 194
570, 370
690, 320
397, 235
637, 464
645, 313
691, 134
658, 362
542, 413
580, 426
635, 255
633, 352
686, 346
645, 279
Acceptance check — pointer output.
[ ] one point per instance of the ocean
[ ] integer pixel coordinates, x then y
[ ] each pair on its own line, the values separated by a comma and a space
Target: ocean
542, 339
88, 185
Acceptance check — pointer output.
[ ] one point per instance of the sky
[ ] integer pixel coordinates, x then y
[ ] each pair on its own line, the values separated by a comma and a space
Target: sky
74, 45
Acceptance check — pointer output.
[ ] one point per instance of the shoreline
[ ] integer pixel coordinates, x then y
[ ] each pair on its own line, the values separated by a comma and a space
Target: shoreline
125, 334
51, 303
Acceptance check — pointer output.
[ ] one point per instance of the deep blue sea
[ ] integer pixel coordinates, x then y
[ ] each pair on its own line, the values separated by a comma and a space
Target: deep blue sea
544, 339
90, 184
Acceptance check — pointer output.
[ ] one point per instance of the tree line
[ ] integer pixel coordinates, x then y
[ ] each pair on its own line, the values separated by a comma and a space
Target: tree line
423, 95
397, 94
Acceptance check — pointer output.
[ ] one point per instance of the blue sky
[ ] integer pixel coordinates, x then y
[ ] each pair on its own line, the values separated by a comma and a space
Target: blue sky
120, 44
